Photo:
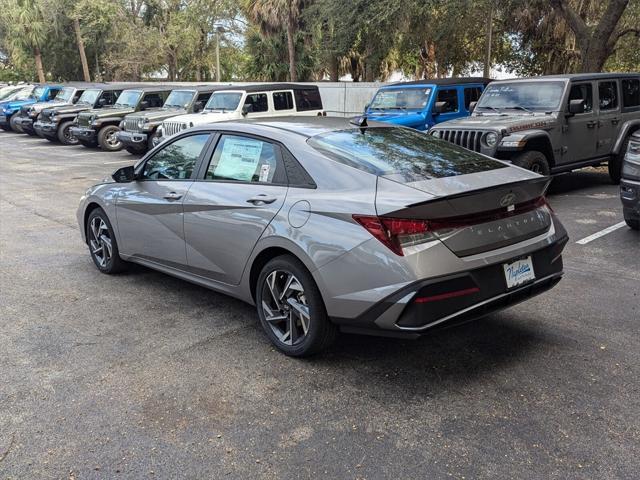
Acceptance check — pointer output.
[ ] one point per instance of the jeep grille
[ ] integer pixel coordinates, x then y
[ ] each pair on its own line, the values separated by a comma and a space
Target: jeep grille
465, 138
131, 125
171, 128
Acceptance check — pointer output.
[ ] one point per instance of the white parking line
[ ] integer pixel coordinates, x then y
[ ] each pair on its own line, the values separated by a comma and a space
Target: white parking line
601, 233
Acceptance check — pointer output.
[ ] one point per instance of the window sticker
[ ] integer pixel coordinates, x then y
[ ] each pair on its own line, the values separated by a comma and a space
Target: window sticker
239, 159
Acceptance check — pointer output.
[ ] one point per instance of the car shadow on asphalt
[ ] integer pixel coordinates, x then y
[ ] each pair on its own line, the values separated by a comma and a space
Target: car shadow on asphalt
579, 180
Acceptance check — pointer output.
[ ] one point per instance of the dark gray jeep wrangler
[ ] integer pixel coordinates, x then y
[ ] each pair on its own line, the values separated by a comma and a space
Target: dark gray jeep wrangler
553, 124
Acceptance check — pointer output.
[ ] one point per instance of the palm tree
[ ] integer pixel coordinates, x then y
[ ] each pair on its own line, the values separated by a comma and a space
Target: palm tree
29, 29
270, 15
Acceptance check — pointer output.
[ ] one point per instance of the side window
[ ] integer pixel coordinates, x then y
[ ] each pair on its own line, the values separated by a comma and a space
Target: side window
110, 97
282, 100
307, 99
450, 97
204, 98
582, 91
177, 160
77, 95
243, 159
631, 93
52, 94
154, 100
471, 94
608, 95
257, 102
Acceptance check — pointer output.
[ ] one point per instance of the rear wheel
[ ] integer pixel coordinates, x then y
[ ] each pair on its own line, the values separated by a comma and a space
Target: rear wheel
633, 223
534, 161
291, 309
102, 243
615, 163
108, 140
64, 134
14, 125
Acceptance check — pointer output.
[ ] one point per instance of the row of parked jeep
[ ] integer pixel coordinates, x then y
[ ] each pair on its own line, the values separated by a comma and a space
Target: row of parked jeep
548, 124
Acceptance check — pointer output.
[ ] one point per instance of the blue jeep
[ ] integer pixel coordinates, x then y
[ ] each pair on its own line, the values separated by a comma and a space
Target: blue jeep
26, 96
423, 103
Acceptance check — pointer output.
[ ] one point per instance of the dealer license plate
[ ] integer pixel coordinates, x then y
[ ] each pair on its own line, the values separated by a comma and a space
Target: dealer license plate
519, 272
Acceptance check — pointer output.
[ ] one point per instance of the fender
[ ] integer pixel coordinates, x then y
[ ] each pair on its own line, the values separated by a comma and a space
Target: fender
108, 121
626, 129
519, 141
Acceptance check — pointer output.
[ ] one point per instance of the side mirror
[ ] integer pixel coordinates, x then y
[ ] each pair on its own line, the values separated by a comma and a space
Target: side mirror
102, 102
144, 105
439, 107
472, 106
124, 175
246, 109
576, 106
197, 107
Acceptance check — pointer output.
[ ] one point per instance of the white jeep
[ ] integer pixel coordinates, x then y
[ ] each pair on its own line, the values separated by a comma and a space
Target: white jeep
253, 101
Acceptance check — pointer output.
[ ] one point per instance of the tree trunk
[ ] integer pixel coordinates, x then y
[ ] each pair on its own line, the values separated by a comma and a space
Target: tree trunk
292, 51
83, 56
487, 57
333, 69
39, 67
598, 43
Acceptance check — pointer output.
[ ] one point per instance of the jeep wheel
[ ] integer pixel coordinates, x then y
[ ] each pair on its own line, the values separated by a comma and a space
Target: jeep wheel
108, 140
64, 134
633, 223
615, 162
14, 126
134, 150
534, 161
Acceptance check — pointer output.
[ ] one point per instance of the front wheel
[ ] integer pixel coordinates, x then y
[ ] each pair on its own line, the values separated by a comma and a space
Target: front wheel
64, 134
103, 246
534, 161
108, 140
291, 309
14, 125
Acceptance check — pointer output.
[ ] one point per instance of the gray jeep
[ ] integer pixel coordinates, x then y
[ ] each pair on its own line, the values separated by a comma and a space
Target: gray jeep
552, 124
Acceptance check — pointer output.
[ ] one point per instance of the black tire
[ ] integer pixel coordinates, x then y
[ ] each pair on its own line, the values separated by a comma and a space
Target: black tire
6, 128
51, 139
615, 162
88, 144
64, 134
533, 160
107, 142
633, 223
14, 126
320, 332
114, 264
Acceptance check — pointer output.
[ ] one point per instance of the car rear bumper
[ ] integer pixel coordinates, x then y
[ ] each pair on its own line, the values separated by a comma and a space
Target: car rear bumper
130, 139
458, 298
630, 196
83, 133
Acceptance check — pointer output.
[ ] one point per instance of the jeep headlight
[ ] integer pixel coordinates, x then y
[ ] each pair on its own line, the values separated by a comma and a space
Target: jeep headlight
32, 112
92, 118
491, 139
141, 123
184, 126
190, 124
435, 133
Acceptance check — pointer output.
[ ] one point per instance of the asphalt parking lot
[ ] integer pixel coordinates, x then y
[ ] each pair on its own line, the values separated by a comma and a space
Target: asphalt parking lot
144, 376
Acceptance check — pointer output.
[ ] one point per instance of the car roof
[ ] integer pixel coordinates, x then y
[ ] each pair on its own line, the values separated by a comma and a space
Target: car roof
202, 88
304, 126
574, 77
444, 81
265, 87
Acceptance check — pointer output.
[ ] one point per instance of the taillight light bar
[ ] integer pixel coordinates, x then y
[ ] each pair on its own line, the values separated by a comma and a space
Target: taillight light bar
397, 233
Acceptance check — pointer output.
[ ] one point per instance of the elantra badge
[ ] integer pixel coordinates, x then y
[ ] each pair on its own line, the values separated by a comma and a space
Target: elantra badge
508, 199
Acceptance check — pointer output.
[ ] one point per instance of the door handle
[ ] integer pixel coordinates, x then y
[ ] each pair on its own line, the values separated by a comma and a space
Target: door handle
261, 199
173, 196
591, 124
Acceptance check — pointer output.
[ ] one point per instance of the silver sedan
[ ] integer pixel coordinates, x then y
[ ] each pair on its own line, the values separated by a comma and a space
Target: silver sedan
326, 224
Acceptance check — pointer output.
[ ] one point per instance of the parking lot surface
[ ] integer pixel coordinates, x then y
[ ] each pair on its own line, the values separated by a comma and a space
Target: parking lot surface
141, 375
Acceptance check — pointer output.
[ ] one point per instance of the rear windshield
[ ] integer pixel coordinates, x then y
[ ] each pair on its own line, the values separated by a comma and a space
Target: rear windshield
406, 153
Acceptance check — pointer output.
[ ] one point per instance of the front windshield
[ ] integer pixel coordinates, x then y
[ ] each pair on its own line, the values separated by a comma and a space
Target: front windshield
179, 99
89, 96
401, 99
539, 95
128, 98
37, 92
22, 94
224, 101
64, 95
8, 92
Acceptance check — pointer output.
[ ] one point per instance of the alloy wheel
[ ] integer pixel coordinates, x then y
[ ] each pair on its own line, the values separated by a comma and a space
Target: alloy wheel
285, 308
100, 242
112, 140
68, 136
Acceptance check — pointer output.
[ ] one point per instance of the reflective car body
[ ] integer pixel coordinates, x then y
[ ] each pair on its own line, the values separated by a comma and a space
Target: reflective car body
421, 236
630, 183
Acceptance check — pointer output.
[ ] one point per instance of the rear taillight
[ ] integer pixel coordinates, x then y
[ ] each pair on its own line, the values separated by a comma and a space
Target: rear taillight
396, 233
